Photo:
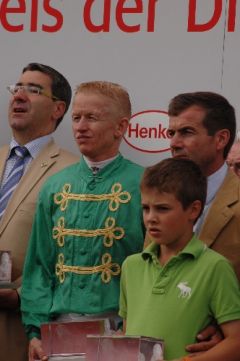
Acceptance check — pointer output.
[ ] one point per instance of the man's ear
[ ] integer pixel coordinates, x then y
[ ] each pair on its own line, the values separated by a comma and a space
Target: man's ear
121, 127
58, 109
222, 137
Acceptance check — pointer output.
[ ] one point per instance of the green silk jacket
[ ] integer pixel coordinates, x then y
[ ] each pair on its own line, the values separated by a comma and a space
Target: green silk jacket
85, 226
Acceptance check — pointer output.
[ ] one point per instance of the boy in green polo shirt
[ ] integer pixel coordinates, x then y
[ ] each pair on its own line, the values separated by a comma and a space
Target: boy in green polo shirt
177, 286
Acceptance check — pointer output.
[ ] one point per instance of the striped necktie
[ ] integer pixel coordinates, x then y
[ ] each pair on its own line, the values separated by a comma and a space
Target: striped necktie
13, 177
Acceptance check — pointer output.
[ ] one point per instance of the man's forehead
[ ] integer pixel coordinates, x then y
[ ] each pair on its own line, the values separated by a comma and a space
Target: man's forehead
92, 103
92, 95
192, 116
34, 77
181, 123
86, 108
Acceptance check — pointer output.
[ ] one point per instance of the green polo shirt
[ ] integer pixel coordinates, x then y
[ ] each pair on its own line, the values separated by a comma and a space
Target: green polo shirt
176, 301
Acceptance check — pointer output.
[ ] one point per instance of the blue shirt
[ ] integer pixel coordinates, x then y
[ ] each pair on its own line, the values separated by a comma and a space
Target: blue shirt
214, 182
34, 147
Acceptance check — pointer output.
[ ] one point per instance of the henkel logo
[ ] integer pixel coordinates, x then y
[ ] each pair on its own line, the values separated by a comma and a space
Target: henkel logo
147, 131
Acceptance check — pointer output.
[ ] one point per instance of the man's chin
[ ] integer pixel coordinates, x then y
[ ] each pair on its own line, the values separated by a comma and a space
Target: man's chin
17, 124
85, 151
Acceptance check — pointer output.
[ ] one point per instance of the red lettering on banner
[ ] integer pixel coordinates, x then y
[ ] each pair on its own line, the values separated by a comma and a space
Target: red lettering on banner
158, 132
147, 131
232, 15
106, 17
54, 13
143, 132
218, 8
192, 26
121, 10
132, 130
5, 10
34, 16
151, 15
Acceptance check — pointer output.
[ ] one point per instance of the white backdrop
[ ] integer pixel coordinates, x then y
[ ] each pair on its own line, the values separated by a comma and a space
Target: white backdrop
154, 66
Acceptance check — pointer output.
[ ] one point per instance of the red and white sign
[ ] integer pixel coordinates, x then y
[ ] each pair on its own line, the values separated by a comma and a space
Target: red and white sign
147, 131
155, 49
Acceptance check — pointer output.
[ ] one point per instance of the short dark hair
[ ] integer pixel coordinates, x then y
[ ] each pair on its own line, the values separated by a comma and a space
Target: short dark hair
181, 177
60, 87
220, 114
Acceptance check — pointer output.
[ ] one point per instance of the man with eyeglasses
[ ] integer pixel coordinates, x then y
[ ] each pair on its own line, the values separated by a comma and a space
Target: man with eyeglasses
37, 105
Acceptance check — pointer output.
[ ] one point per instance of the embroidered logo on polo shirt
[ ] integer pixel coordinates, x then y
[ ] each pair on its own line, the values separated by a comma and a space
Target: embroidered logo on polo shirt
185, 291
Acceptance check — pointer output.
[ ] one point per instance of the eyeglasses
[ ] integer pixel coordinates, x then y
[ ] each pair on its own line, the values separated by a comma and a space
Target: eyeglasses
29, 89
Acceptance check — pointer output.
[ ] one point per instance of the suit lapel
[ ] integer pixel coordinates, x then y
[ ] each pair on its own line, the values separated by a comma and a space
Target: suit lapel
3, 157
37, 169
220, 213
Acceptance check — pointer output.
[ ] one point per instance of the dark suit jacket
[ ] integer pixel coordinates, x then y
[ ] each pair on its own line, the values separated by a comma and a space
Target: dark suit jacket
15, 228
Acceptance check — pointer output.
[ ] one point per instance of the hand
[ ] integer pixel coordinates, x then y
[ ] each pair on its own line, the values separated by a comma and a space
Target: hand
9, 299
35, 351
208, 338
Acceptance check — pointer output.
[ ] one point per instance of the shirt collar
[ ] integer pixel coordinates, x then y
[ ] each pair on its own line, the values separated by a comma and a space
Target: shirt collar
214, 181
100, 164
35, 146
194, 249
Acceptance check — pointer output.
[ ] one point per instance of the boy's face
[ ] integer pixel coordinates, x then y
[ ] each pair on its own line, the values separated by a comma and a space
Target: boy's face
167, 223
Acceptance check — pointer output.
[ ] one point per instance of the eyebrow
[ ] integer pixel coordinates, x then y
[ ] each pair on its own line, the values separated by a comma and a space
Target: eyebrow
182, 129
31, 84
87, 112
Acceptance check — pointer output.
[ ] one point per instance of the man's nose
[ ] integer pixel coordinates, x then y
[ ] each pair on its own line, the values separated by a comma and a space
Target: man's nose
175, 141
82, 124
21, 93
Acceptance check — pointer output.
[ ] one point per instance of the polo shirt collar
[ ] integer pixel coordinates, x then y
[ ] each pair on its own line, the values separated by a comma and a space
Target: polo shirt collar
193, 249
